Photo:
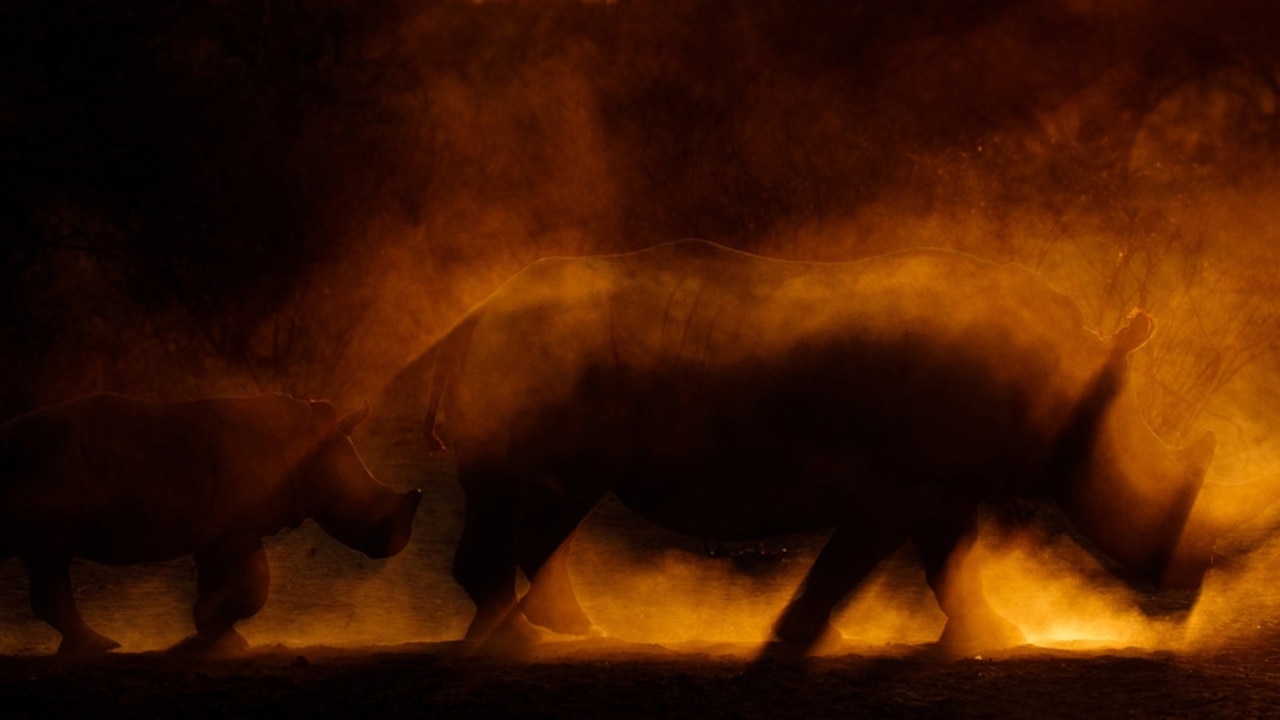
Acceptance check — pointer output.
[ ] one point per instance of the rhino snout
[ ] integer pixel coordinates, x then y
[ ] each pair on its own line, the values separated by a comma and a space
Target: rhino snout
392, 534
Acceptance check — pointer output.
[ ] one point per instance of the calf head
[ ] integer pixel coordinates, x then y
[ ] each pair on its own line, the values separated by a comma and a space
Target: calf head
343, 496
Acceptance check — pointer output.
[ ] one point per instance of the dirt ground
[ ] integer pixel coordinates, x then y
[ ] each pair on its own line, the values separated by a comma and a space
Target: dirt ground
292, 672
344, 636
603, 679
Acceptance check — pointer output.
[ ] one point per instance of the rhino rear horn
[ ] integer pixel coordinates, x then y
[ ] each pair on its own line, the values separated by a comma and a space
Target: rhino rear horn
349, 421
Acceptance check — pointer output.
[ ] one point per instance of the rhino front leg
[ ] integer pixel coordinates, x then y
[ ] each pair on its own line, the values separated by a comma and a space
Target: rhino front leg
551, 601
545, 538
53, 602
945, 544
484, 565
232, 583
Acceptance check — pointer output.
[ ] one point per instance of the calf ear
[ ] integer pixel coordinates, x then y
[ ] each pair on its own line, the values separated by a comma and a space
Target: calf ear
324, 414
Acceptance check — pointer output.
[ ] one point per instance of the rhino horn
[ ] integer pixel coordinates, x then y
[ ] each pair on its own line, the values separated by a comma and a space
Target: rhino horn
349, 421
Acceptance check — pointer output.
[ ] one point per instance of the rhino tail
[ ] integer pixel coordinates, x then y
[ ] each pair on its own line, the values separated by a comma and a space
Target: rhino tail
448, 355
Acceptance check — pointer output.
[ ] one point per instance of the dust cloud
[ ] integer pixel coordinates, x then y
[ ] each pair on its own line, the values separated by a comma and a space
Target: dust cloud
231, 200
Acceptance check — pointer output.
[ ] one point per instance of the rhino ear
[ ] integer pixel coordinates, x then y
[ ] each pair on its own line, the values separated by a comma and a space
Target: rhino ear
349, 421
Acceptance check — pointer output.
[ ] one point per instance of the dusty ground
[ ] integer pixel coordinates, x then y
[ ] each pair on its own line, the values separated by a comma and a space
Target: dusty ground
610, 680
343, 635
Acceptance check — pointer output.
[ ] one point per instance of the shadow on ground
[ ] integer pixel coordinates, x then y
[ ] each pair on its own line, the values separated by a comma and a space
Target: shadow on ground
609, 679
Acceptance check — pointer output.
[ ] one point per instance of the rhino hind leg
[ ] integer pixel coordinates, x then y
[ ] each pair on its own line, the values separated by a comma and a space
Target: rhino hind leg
52, 601
973, 626
232, 583
853, 551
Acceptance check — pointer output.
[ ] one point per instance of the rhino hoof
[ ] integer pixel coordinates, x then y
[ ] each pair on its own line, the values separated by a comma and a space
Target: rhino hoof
88, 643
563, 618
797, 637
994, 634
228, 644
781, 651
799, 629
515, 637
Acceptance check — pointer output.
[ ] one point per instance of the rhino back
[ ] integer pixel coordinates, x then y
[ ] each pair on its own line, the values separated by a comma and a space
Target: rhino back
119, 479
718, 372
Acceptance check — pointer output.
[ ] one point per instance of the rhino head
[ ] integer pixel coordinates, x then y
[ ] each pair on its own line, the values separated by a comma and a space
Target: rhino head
340, 493
1123, 488
1135, 503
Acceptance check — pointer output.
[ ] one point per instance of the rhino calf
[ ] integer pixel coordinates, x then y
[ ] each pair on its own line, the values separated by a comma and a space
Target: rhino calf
121, 480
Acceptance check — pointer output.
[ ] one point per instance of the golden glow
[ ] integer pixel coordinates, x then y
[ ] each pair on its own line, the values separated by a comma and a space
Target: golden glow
685, 599
1043, 589
1055, 592
553, 154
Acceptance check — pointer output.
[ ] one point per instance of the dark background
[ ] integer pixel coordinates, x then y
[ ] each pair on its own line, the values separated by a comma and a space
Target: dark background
235, 196
232, 197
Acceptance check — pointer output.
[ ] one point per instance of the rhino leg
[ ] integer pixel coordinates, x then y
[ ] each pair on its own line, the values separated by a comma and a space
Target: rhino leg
552, 506
945, 543
484, 563
53, 602
524, 519
232, 582
853, 551
551, 601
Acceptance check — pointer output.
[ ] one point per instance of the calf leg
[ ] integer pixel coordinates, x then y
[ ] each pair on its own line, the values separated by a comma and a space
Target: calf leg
53, 602
232, 583
945, 544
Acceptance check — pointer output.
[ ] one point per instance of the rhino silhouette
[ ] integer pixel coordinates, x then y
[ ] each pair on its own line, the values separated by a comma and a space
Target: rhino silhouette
730, 396
120, 480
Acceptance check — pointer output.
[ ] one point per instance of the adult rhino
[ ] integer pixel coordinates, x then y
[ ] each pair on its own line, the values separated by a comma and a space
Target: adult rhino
120, 480
730, 396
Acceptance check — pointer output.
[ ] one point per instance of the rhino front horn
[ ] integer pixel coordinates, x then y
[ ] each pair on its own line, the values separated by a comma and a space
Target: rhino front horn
349, 421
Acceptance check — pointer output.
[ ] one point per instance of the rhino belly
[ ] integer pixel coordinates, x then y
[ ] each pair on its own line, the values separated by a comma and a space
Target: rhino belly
144, 519
110, 537
732, 496
116, 541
